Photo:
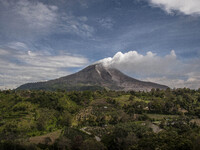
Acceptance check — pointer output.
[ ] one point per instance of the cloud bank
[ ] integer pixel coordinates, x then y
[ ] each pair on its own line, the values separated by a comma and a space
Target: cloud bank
19, 67
168, 69
187, 7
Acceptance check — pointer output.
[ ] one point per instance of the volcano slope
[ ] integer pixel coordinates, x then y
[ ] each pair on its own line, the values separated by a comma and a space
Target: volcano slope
94, 77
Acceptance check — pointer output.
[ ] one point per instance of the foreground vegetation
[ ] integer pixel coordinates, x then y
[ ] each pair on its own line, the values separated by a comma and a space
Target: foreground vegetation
100, 120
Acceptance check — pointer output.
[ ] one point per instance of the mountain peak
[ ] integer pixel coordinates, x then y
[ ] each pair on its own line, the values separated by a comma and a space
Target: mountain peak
93, 77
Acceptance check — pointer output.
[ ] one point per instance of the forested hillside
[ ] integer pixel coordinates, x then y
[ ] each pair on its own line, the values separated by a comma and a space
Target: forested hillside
100, 120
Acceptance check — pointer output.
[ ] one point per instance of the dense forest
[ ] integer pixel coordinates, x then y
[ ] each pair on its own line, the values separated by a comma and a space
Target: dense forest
100, 120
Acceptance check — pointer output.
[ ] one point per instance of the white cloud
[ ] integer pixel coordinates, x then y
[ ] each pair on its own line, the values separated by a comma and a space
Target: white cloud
37, 15
17, 45
35, 18
27, 20
3, 52
76, 25
168, 70
42, 16
188, 7
138, 64
190, 82
106, 22
23, 67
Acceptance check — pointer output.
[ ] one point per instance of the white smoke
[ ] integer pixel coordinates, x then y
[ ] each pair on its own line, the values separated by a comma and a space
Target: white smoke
168, 69
136, 63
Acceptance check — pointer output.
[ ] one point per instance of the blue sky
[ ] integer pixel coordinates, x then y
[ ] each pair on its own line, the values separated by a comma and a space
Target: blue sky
152, 40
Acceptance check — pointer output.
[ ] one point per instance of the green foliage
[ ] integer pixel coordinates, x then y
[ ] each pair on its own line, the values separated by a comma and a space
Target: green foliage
23, 106
159, 119
65, 119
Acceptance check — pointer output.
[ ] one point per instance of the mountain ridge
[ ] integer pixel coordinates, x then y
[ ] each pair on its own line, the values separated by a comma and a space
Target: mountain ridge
94, 77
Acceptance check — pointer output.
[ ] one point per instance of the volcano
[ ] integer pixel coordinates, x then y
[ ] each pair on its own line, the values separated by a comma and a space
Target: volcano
94, 77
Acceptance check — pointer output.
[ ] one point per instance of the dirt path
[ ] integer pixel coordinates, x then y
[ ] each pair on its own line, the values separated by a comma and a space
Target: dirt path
96, 137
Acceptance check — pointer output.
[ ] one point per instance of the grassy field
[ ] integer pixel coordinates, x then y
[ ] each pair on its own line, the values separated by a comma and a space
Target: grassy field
124, 99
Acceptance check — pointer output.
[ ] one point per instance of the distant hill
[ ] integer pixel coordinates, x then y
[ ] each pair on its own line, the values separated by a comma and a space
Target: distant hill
94, 77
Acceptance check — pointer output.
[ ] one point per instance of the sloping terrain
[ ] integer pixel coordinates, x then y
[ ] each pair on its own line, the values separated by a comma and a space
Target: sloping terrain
95, 77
